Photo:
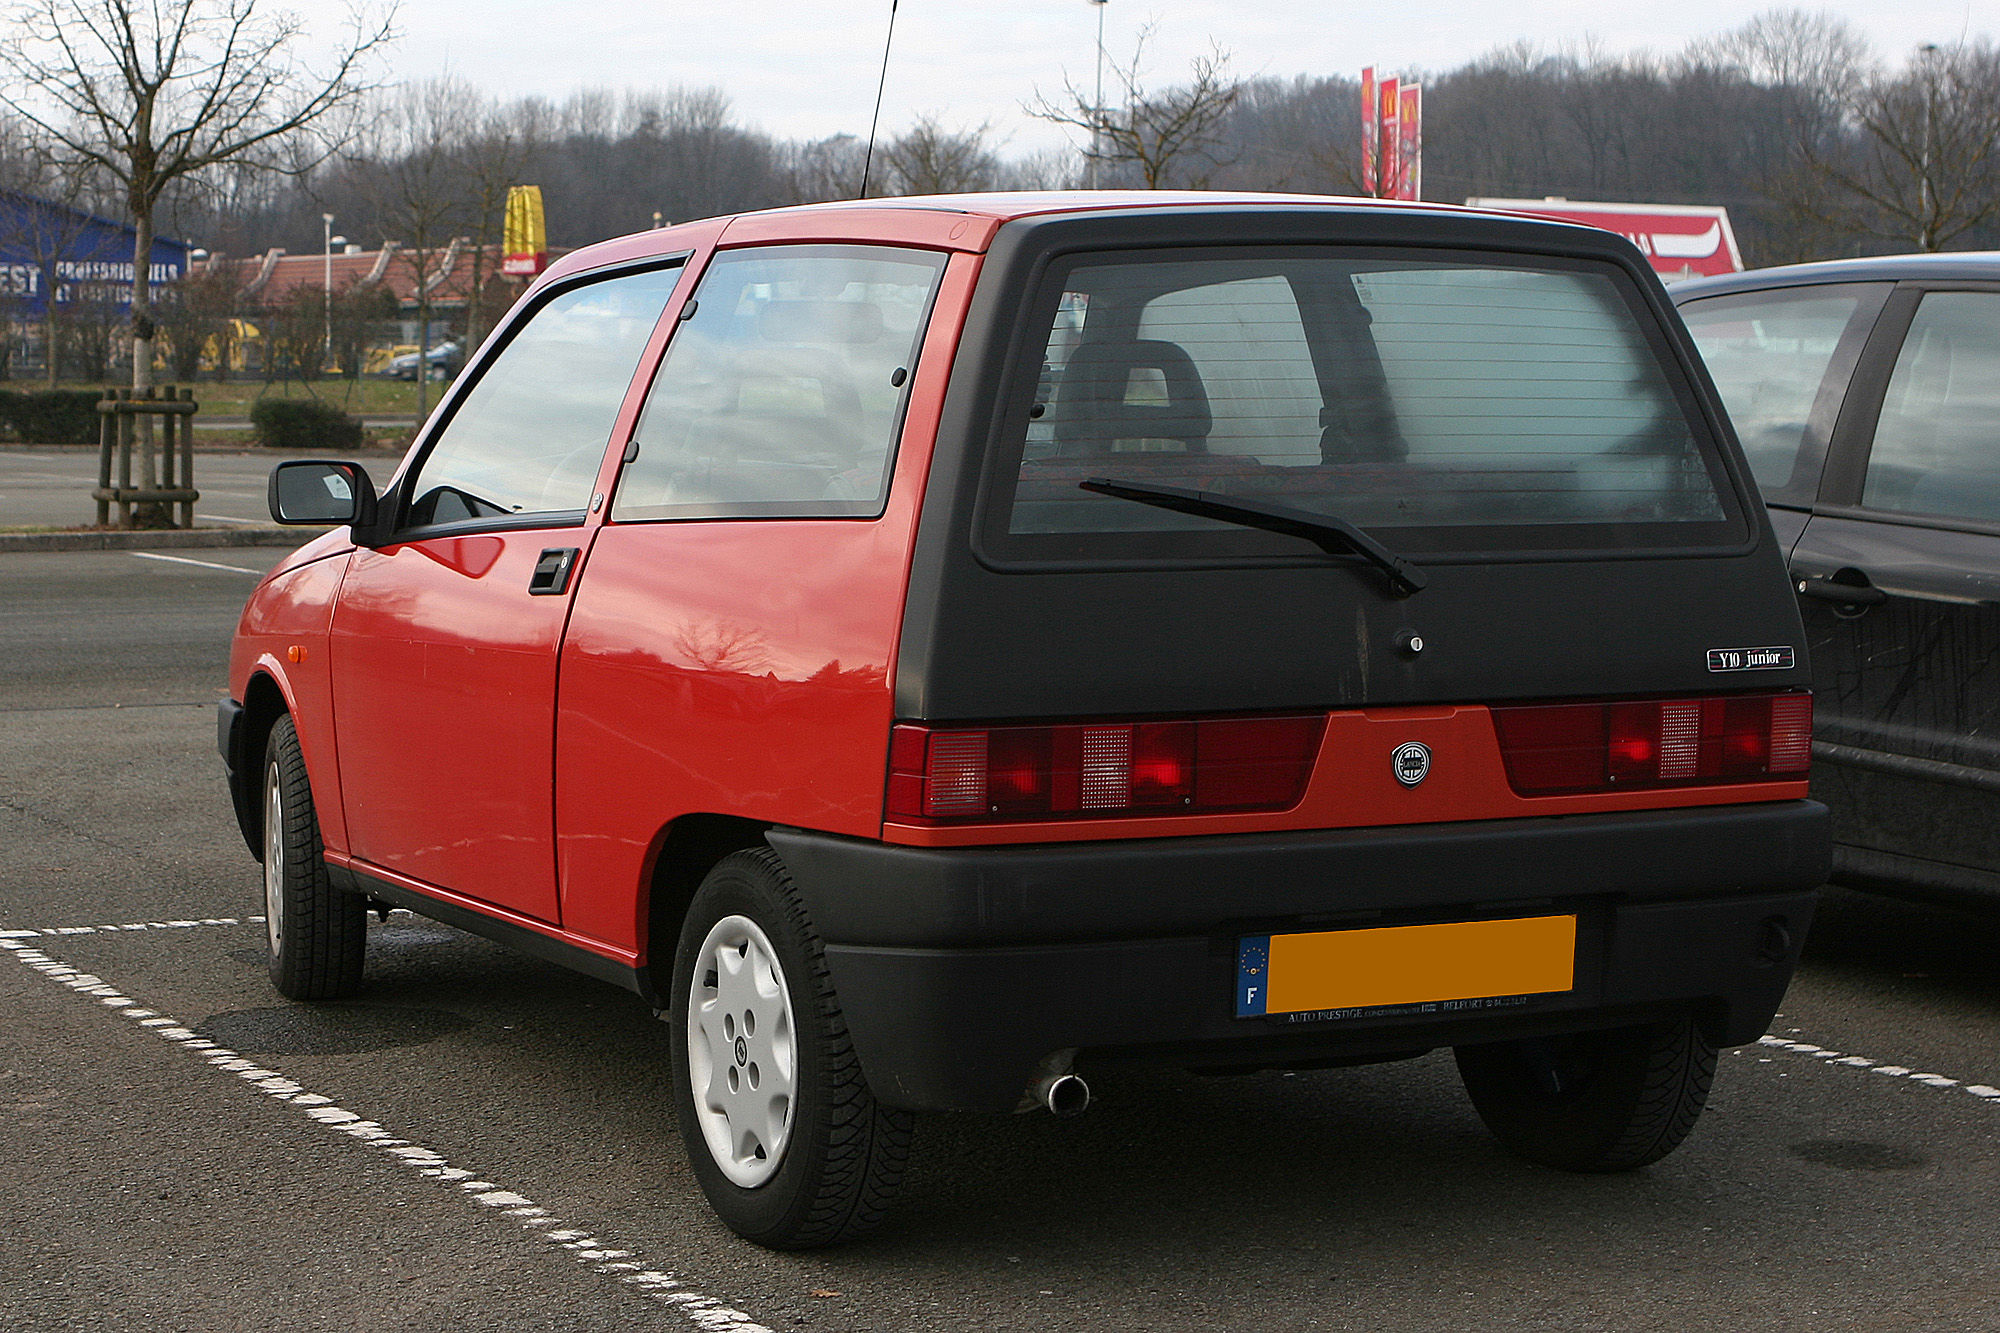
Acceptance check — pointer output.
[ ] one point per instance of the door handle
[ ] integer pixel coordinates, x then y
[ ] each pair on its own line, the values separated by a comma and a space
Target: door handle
552, 570
1841, 592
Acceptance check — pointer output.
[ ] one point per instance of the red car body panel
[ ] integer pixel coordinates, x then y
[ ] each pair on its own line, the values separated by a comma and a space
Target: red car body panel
444, 695
687, 688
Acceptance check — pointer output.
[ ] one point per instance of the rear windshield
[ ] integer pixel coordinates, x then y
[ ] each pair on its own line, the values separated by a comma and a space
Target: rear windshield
1448, 405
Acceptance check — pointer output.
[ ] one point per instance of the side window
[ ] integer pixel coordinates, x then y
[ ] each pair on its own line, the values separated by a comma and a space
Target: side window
529, 436
1768, 354
1937, 444
782, 393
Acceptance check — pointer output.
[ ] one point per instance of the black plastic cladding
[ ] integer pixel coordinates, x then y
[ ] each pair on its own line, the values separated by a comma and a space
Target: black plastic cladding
981, 642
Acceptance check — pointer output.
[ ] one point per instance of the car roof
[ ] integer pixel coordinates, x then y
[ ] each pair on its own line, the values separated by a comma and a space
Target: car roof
899, 216
1008, 205
1963, 265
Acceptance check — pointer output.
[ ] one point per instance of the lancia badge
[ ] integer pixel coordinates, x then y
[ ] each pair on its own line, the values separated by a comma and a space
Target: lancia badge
1412, 763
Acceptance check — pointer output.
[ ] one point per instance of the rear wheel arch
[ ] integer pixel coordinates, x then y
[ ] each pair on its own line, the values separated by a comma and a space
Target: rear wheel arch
691, 846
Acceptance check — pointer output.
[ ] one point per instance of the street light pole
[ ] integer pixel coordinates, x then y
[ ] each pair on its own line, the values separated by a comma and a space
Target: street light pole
326, 307
1097, 109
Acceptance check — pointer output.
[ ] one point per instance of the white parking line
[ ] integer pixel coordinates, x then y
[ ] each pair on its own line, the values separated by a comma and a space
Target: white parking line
224, 518
129, 925
1989, 1095
205, 564
624, 1266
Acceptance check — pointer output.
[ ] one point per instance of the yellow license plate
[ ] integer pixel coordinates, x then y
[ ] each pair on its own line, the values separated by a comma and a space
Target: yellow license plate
1332, 971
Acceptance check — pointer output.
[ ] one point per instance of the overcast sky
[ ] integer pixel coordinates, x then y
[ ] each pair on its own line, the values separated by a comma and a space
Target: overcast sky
808, 68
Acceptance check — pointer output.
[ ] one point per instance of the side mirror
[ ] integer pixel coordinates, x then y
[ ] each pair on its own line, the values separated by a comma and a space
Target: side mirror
322, 493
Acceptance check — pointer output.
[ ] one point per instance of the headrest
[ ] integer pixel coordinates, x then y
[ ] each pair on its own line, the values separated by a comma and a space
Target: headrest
1095, 403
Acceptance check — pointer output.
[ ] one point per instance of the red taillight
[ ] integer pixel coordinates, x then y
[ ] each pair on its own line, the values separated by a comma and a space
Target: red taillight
1101, 770
1556, 748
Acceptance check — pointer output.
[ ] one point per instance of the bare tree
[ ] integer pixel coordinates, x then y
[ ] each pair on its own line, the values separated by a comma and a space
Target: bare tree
1819, 53
199, 319
1043, 169
495, 153
413, 172
1819, 65
824, 169
153, 93
1169, 137
1928, 168
930, 159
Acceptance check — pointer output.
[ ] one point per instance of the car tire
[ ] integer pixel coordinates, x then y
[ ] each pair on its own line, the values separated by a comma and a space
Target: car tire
755, 1022
1593, 1101
318, 934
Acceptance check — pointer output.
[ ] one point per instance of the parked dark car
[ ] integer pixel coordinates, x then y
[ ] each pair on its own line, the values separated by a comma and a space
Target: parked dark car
444, 360
1866, 393
935, 649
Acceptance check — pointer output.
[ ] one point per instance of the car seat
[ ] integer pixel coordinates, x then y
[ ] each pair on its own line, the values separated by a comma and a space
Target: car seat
1092, 410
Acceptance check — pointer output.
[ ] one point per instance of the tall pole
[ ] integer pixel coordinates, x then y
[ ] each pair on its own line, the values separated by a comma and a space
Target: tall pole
326, 306
1097, 109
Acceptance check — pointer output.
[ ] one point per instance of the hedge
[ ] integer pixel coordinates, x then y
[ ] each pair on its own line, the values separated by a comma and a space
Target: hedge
303, 425
50, 416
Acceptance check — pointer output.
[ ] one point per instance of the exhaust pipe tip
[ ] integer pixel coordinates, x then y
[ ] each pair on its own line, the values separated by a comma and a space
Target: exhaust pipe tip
1066, 1096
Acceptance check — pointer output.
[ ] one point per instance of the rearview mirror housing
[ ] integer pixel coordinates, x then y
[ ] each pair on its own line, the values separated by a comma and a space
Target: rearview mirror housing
322, 492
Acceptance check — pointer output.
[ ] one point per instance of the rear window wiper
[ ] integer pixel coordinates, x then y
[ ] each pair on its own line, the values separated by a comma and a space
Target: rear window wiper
1335, 536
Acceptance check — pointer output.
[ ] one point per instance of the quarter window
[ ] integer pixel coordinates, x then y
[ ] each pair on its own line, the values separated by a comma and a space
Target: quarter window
782, 393
1768, 355
1937, 444
528, 438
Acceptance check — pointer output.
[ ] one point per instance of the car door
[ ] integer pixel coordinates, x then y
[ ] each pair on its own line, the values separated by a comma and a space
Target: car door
1899, 574
445, 640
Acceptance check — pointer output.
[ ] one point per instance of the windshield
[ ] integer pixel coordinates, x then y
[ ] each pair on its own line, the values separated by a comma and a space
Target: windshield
1441, 399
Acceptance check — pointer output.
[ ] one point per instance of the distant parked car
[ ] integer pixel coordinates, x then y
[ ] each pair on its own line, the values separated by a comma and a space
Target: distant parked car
444, 360
1867, 396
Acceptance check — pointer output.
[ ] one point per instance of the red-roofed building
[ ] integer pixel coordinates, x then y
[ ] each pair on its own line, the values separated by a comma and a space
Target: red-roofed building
268, 281
268, 289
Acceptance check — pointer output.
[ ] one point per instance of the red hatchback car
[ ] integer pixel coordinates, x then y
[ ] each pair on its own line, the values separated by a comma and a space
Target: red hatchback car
931, 648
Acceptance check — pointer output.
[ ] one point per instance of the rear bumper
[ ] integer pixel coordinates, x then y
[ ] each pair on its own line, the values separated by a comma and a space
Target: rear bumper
960, 969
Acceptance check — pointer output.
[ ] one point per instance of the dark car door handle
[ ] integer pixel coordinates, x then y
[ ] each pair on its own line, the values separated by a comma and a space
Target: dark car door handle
1841, 593
551, 576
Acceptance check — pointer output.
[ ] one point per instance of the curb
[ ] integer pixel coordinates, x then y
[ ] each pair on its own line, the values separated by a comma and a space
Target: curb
161, 539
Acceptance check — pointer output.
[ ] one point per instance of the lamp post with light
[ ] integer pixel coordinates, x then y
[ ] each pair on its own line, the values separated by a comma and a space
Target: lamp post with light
326, 309
1097, 109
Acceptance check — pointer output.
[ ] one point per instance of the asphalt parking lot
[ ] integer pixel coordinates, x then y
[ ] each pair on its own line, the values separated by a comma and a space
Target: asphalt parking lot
483, 1141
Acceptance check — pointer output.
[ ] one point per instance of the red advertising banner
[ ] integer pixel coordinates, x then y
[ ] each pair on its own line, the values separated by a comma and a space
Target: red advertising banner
1391, 137
1390, 154
1410, 143
1680, 240
1371, 132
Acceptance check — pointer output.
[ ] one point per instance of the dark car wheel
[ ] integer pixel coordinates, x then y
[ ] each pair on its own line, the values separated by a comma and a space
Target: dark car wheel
788, 1143
1592, 1101
318, 934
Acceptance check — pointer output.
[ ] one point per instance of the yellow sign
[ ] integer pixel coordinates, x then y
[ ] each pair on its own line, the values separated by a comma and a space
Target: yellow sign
525, 248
